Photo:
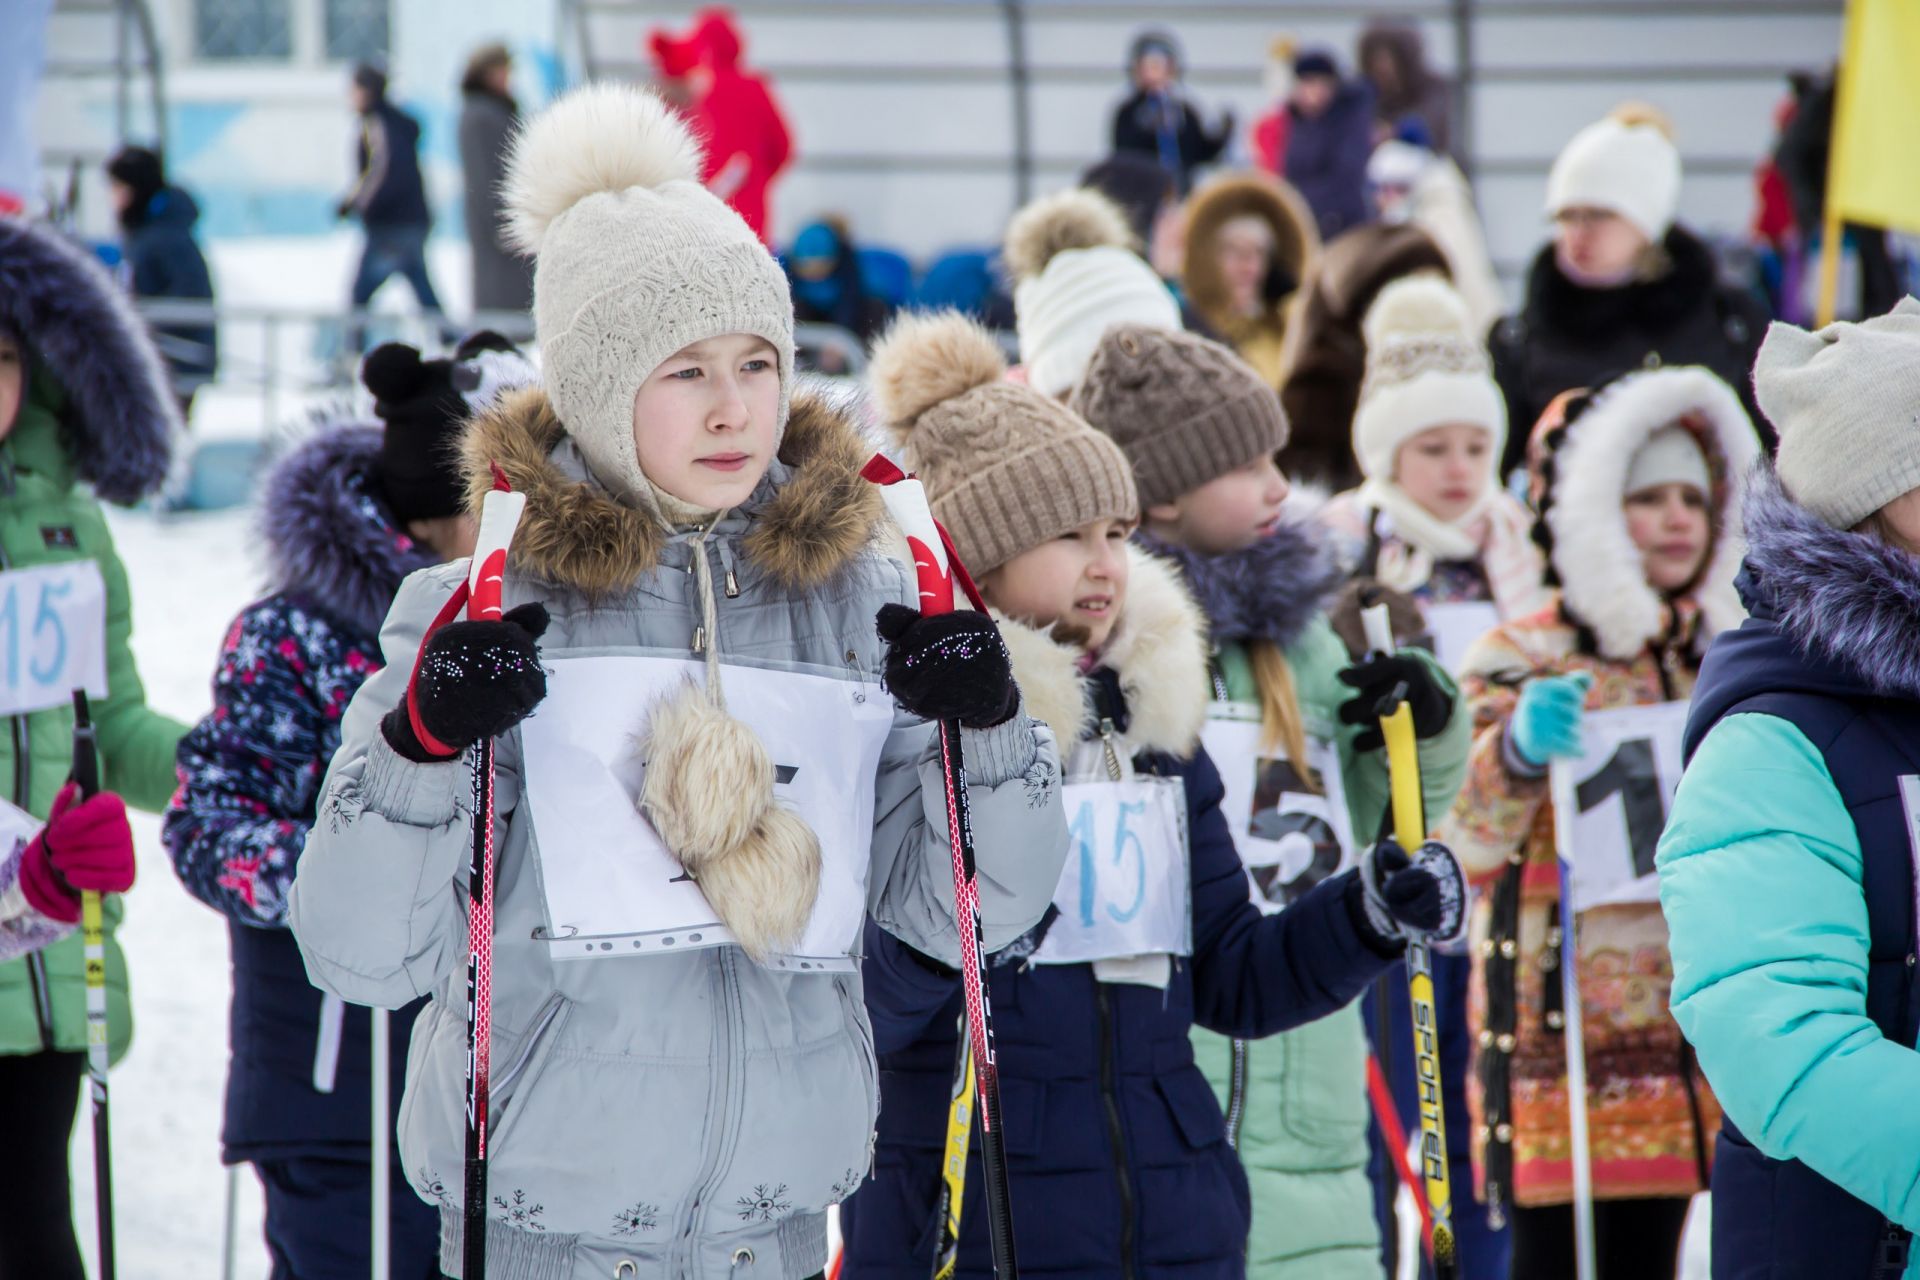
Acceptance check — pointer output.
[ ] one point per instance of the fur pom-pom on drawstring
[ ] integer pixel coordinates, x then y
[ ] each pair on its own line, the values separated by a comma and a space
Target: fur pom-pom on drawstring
708, 791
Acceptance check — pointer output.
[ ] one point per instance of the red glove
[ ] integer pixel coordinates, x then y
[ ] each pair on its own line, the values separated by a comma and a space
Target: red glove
86, 844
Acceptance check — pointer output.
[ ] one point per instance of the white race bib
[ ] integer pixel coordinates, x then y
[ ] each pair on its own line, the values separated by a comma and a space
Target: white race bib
1290, 836
53, 636
1126, 889
612, 888
1610, 804
1455, 627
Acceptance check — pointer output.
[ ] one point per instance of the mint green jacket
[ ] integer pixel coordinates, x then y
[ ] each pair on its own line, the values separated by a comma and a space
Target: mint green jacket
1296, 1103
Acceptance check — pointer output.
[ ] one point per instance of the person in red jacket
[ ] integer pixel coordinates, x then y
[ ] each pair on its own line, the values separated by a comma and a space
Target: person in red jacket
731, 110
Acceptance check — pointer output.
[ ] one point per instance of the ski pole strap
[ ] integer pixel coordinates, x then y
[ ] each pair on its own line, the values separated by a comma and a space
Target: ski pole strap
448, 612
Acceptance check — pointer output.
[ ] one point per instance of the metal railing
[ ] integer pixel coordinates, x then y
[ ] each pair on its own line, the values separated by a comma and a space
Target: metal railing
285, 352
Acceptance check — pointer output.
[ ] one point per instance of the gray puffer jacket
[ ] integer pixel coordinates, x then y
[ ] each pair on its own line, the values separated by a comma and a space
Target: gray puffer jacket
690, 1114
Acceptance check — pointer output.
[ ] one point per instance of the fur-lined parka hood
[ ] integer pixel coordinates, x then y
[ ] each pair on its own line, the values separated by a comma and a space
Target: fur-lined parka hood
809, 517
118, 418
1846, 601
328, 534
1158, 651
1584, 466
1271, 591
1296, 238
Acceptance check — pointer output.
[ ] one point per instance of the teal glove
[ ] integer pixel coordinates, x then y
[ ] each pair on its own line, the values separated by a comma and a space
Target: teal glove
1546, 720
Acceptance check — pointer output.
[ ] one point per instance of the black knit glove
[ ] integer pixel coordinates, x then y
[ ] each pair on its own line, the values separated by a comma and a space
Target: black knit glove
1398, 895
476, 680
951, 666
1377, 677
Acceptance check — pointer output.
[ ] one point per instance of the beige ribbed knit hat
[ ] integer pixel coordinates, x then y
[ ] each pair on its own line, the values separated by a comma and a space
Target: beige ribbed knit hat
1005, 467
1184, 409
1425, 368
1075, 275
634, 259
1846, 402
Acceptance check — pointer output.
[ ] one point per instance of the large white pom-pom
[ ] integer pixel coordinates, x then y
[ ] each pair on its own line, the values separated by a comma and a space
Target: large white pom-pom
602, 137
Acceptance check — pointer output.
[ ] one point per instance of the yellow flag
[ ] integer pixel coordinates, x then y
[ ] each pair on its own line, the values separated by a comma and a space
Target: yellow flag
1874, 171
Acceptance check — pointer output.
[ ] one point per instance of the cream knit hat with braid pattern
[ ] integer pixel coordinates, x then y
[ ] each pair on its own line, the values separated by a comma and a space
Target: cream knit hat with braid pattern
633, 260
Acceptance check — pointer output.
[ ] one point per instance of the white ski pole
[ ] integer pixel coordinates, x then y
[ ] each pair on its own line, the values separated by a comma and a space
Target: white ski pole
1574, 1024
382, 1146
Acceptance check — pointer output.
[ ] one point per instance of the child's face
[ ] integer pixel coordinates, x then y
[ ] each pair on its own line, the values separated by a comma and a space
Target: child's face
13, 383
1669, 525
1079, 579
1226, 514
1446, 469
704, 422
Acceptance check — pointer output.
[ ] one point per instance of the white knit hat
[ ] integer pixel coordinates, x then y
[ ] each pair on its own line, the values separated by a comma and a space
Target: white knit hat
1625, 163
1076, 275
1846, 402
1425, 369
635, 259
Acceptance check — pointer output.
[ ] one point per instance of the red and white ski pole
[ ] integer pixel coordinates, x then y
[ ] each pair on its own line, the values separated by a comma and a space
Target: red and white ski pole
499, 516
938, 569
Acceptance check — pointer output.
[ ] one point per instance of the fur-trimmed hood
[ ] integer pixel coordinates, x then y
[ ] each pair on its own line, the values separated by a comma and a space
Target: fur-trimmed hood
119, 419
1844, 600
1271, 591
328, 534
810, 515
1584, 530
1296, 237
1158, 652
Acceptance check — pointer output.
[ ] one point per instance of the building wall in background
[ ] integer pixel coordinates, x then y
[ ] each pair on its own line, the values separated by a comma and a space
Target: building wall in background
902, 109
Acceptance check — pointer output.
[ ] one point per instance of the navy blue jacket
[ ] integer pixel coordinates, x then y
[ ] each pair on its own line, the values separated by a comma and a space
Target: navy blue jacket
388, 191
164, 262
1327, 159
300, 1078
1116, 1144
1814, 653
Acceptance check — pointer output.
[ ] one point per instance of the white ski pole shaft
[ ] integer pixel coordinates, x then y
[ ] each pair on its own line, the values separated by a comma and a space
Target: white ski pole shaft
1574, 1024
382, 1146
232, 1226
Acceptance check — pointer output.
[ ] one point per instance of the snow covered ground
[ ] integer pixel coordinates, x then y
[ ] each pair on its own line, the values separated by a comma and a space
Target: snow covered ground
190, 575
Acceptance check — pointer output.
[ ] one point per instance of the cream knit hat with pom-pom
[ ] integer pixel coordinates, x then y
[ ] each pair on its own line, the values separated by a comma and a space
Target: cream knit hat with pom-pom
633, 260
1005, 468
1425, 369
1075, 275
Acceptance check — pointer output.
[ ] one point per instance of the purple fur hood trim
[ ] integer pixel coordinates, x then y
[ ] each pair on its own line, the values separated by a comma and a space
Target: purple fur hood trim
1840, 597
121, 419
1270, 591
329, 537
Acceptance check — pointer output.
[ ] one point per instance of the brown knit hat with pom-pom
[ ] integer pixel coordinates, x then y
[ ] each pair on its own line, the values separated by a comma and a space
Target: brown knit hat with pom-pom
1005, 468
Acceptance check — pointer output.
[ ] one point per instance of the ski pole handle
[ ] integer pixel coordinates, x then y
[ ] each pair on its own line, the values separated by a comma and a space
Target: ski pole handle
1396, 726
499, 517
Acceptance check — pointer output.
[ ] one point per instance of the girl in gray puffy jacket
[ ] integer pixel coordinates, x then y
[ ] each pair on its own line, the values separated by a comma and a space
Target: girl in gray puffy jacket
728, 773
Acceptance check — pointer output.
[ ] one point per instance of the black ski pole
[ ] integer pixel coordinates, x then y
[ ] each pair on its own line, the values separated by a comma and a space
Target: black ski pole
86, 776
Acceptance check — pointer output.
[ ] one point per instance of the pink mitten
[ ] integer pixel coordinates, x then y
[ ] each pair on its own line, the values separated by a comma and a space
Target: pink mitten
86, 844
